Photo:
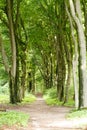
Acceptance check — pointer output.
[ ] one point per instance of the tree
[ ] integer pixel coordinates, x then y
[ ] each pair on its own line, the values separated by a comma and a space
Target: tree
11, 20
75, 59
76, 9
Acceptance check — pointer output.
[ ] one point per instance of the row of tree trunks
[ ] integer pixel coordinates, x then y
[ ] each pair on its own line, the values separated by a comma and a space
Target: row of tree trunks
16, 87
12, 73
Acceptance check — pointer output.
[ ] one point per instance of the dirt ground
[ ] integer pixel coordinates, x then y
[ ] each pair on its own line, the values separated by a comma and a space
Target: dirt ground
44, 117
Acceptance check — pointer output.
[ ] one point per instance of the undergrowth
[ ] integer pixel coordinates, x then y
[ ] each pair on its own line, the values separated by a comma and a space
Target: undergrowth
29, 98
4, 98
77, 114
51, 98
11, 118
80, 117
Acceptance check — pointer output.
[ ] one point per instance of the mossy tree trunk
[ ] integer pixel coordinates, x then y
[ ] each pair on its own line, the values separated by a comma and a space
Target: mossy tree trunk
12, 73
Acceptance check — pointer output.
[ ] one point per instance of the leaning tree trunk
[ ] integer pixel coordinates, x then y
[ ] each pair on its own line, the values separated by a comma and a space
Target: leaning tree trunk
12, 73
8, 70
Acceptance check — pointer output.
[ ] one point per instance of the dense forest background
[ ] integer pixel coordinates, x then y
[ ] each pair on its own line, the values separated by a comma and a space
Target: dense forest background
43, 46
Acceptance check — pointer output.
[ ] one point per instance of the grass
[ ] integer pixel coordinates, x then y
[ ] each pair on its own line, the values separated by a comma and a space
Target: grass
77, 114
12, 118
4, 98
29, 98
52, 101
79, 117
51, 98
71, 103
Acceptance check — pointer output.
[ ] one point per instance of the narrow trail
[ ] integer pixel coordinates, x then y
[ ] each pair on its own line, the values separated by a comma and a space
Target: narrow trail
44, 117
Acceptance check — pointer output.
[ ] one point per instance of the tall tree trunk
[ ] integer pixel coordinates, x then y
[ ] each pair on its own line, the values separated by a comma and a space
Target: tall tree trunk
75, 61
51, 71
12, 84
29, 82
82, 52
67, 84
59, 70
33, 79
84, 4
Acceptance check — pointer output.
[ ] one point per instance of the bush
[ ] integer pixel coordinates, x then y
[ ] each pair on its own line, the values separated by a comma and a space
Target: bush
50, 97
53, 102
29, 98
4, 98
52, 93
4, 89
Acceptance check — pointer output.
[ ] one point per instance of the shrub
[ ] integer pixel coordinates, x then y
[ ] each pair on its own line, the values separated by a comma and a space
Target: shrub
29, 98
52, 93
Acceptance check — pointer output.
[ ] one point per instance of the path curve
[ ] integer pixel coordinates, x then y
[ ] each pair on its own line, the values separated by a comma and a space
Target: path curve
44, 117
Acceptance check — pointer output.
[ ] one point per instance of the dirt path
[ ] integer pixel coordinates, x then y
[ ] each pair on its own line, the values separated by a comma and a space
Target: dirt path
44, 117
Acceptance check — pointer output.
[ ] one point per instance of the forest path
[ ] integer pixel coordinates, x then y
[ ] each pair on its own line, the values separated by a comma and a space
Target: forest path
44, 117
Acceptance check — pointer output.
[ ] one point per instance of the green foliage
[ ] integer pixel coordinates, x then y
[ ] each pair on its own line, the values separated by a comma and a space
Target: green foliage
79, 117
4, 89
51, 93
3, 81
29, 98
42, 36
77, 114
13, 118
39, 83
4, 98
50, 97
3, 74
53, 102
70, 102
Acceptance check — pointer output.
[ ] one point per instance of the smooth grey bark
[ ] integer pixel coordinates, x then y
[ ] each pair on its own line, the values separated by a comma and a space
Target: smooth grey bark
82, 52
75, 61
